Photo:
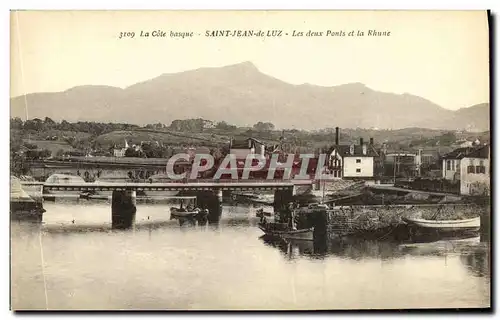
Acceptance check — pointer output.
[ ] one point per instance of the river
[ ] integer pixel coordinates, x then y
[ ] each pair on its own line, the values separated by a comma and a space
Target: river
74, 261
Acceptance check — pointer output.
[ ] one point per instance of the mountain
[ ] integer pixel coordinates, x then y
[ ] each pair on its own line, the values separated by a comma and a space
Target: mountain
475, 118
240, 94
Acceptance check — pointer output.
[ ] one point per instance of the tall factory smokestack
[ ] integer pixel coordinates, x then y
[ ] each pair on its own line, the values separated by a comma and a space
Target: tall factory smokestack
371, 141
336, 136
360, 141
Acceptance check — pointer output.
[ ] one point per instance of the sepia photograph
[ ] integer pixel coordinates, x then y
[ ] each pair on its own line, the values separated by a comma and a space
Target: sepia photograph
254, 160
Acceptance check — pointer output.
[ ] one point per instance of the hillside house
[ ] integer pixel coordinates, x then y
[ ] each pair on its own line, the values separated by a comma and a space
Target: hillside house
475, 175
242, 148
120, 152
353, 161
451, 163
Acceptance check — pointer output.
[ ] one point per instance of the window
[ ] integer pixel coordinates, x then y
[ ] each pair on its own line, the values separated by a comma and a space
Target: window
358, 170
480, 169
358, 160
448, 165
470, 169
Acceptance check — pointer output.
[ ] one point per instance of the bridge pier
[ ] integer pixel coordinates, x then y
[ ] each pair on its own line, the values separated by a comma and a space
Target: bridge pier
320, 233
215, 207
123, 209
211, 201
485, 229
282, 199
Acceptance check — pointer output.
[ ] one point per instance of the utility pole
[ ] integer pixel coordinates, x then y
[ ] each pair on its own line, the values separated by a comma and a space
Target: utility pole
395, 163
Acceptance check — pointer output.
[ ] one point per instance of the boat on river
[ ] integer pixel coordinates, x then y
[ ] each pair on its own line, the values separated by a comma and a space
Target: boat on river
445, 225
180, 213
281, 231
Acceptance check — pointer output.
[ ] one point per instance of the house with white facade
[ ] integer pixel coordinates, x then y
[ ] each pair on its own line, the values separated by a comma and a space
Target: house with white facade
353, 161
451, 163
120, 152
475, 178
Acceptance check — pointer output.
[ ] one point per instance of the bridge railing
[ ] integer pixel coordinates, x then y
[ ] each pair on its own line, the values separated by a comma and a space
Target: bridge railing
242, 180
191, 181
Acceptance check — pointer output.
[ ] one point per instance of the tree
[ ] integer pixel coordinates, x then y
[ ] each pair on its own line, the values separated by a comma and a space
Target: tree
34, 124
18, 165
263, 126
447, 138
30, 146
223, 125
151, 151
65, 126
16, 123
45, 153
60, 153
191, 125
49, 123
132, 153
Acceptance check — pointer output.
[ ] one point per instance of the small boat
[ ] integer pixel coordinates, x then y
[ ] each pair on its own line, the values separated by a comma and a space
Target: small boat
176, 213
445, 225
280, 230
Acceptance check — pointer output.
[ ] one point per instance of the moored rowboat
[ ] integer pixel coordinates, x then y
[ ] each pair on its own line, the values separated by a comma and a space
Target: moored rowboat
445, 225
300, 234
176, 213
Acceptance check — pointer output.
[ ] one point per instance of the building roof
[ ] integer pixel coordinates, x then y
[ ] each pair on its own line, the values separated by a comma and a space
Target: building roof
401, 154
459, 153
482, 152
344, 151
243, 143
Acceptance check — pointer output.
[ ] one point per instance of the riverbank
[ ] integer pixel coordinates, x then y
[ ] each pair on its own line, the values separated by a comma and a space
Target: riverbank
375, 221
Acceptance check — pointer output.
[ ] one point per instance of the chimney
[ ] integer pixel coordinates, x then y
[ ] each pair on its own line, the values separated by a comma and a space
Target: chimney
371, 141
351, 149
364, 149
336, 136
360, 141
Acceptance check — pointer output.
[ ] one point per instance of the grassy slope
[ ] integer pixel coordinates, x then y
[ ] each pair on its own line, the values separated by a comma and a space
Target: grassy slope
52, 146
215, 137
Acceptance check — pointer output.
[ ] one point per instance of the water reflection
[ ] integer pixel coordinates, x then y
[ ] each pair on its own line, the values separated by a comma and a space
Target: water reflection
160, 265
473, 254
477, 263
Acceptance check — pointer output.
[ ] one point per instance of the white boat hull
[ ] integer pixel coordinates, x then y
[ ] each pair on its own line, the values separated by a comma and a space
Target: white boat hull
445, 225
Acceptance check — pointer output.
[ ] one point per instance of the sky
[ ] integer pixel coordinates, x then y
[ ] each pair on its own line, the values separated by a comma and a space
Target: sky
442, 56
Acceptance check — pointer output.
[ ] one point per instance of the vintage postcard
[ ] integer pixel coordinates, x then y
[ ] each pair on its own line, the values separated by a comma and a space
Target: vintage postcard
250, 160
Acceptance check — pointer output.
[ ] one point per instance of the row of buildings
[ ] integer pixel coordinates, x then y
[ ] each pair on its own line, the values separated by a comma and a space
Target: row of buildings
467, 166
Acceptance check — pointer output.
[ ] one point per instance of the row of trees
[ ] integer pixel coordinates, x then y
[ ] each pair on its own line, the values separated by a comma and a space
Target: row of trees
93, 128
98, 128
